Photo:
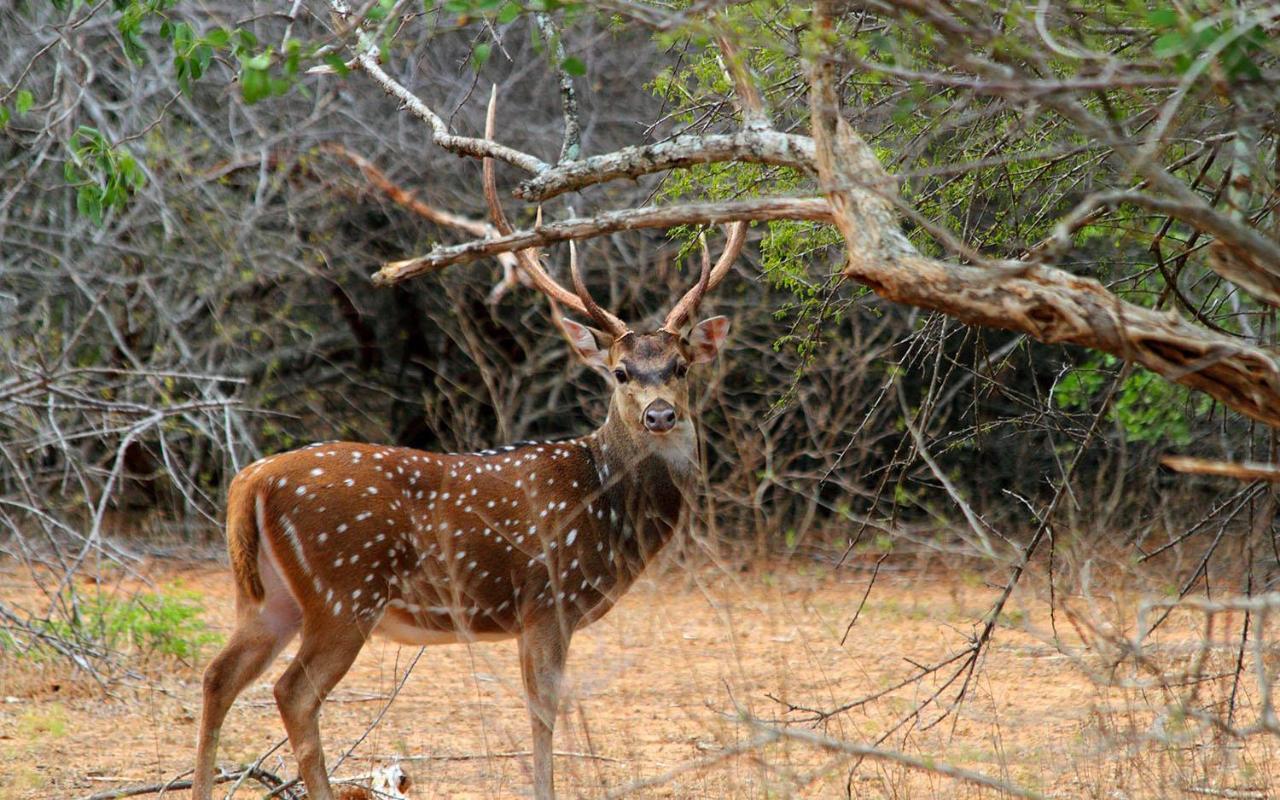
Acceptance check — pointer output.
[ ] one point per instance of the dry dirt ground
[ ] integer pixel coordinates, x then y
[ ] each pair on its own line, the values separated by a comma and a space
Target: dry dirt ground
658, 691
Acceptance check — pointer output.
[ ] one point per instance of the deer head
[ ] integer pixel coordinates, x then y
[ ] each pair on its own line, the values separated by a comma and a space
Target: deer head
648, 371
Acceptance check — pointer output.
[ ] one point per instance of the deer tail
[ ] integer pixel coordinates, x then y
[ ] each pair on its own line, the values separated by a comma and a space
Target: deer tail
242, 539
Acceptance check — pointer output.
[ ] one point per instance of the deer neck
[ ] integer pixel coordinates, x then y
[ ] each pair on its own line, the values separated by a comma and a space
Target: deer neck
644, 481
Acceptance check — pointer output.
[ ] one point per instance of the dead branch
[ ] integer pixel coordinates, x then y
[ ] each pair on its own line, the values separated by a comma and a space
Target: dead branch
571, 147
269, 780
401, 196
1245, 471
750, 146
767, 208
366, 58
1047, 303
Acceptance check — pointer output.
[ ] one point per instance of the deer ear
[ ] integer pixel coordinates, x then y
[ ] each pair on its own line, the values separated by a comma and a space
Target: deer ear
707, 338
586, 343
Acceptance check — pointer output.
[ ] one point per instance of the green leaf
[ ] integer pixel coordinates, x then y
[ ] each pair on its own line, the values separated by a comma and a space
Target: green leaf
508, 13
480, 55
336, 63
259, 62
24, 101
1170, 44
1163, 18
218, 37
574, 66
254, 85
4, 117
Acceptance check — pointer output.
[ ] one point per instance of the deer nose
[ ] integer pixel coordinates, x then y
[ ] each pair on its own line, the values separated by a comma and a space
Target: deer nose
660, 416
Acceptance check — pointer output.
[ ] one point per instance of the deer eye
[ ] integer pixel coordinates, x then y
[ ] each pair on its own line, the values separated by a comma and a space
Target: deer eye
682, 369
620, 374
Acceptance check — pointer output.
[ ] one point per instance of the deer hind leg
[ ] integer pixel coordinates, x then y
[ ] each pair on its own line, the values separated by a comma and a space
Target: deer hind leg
543, 648
326, 653
261, 632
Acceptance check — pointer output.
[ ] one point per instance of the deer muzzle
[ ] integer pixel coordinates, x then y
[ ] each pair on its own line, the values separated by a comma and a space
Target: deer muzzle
659, 416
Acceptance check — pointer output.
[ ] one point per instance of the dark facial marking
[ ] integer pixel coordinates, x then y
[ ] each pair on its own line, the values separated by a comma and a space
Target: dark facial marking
650, 359
649, 374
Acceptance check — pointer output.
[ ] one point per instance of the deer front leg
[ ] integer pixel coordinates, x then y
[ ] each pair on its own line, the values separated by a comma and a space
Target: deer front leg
543, 649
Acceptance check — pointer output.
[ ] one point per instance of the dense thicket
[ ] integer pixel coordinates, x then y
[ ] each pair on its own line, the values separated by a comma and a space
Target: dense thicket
184, 276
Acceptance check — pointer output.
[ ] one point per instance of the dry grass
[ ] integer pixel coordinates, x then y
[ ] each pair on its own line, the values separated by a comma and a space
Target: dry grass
662, 683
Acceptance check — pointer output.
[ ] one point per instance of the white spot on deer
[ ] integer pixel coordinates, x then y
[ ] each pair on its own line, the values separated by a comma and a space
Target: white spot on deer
337, 608
317, 472
363, 515
282, 482
322, 538
342, 528
339, 561
372, 489
573, 534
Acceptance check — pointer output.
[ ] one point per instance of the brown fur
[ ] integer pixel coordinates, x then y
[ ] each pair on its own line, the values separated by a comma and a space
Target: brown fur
242, 539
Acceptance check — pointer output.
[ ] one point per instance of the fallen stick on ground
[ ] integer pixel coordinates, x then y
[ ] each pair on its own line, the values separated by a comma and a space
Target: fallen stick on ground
267, 779
481, 756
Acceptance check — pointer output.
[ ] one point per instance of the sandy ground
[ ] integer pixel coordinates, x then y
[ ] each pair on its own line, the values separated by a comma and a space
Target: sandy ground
658, 691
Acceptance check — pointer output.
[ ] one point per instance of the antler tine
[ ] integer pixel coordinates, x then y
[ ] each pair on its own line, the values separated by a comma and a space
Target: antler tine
528, 258
709, 279
614, 326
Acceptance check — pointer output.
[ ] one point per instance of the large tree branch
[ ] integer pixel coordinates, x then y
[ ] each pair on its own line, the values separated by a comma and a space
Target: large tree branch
758, 146
768, 208
1047, 303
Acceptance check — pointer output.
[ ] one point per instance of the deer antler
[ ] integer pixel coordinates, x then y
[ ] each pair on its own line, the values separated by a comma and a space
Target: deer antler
580, 303
709, 279
612, 324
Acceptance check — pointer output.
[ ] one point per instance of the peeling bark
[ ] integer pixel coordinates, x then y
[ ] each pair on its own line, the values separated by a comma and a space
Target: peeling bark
1048, 304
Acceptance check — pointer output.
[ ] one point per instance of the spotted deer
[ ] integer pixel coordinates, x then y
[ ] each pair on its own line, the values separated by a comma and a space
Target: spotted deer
531, 541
